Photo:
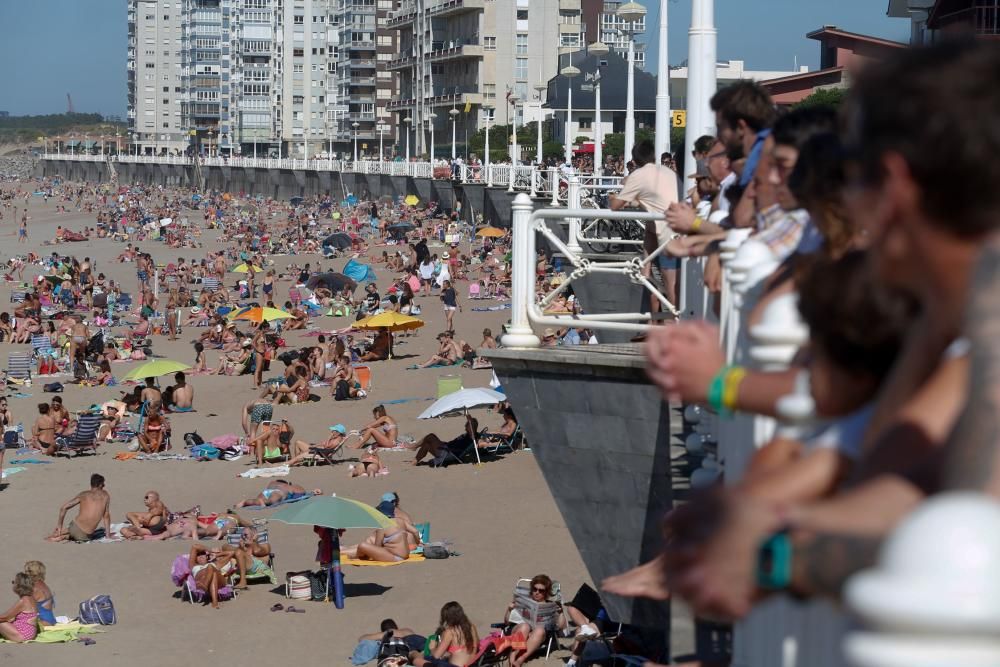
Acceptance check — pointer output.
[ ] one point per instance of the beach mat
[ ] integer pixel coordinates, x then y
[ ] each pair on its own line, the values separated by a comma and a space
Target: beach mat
414, 558
61, 633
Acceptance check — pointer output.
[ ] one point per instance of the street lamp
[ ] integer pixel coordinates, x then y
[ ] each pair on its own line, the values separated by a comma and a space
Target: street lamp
539, 89
599, 49
487, 108
570, 72
454, 124
408, 121
514, 151
355, 126
430, 119
630, 13
210, 135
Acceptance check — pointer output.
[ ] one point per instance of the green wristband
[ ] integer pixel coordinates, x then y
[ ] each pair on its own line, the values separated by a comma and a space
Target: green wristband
715, 390
774, 562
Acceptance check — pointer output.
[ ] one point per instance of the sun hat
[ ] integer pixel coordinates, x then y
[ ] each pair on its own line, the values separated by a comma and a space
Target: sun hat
339, 428
246, 343
550, 333
195, 310
388, 497
445, 256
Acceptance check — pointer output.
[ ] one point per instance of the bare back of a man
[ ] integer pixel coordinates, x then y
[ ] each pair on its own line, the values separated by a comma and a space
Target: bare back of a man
94, 509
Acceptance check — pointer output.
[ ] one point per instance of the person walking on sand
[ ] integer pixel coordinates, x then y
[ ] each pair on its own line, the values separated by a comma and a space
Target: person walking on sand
95, 508
449, 297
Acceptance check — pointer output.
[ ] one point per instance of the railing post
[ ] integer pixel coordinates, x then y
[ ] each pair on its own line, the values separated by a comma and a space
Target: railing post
510, 181
573, 243
534, 180
465, 172
555, 186
489, 175
522, 276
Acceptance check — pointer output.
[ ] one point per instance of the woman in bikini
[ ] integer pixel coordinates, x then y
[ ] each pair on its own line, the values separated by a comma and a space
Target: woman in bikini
295, 392
390, 546
456, 643
211, 569
383, 431
41, 592
151, 438
277, 491
43, 432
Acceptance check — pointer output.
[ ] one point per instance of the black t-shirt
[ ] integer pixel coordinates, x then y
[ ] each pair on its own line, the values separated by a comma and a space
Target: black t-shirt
303, 276
373, 300
449, 297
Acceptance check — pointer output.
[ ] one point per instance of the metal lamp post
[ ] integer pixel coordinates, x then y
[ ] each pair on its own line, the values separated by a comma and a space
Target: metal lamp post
701, 77
599, 49
570, 72
430, 119
487, 107
662, 88
454, 124
407, 121
539, 89
514, 150
354, 125
630, 12
381, 131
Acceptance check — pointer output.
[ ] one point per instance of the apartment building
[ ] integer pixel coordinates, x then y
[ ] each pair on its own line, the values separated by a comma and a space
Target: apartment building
257, 77
475, 57
602, 23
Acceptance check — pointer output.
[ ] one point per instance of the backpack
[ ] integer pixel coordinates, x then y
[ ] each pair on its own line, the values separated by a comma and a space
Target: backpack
343, 391
53, 387
392, 646
98, 610
193, 440
435, 551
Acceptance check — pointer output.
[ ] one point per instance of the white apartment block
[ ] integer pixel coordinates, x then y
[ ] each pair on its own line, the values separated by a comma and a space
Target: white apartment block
615, 32
478, 55
257, 77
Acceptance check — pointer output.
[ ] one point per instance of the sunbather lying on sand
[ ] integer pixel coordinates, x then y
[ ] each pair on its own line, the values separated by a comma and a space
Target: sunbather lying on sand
277, 491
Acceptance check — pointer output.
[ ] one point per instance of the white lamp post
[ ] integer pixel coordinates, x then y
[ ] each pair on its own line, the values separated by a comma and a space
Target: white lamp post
570, 72
599, 49
430, 119
630, 12
381, 150
539, 89
454, 124
514, 151
701, 77
407, 121
355, 126
663, 124
487, 107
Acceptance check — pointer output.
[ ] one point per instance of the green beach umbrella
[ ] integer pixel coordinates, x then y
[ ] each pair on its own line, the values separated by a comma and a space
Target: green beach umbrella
333, 512
155, 369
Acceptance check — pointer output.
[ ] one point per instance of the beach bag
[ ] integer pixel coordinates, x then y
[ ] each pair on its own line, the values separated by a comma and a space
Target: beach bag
392, 646
343, 391
435, 551
98, 610
205, 452
415, 309
193, 440
10, 438
53, 388
317, 586
298, 587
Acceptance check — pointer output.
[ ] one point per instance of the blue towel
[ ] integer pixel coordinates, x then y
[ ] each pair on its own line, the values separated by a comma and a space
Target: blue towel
293, 499
399, 401
29, 461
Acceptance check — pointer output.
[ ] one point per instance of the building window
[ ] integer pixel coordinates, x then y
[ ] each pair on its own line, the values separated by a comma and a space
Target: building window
521, 68
298, 53
489, 43
521, 44
585, 123
522, 15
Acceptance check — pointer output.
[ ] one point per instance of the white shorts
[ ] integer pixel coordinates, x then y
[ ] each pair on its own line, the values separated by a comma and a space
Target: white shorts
450, 308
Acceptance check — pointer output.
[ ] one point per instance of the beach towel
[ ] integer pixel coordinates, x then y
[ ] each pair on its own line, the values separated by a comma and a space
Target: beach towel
399, 401
11, 471
486, 309
286, 501
61, 633
30, 461
414, 558
276, 471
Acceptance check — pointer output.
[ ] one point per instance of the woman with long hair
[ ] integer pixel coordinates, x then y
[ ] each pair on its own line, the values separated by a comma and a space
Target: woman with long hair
456, 641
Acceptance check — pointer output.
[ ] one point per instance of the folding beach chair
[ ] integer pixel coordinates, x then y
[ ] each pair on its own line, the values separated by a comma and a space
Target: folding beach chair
18, 367
510, 443
528, 611
180, 574
17, 296
326, 454
41, 344
265, 570
83, 439
363, 374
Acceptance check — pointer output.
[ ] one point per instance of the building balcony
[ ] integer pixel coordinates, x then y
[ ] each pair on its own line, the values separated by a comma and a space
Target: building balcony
442, 97
570, 5
456, 52
360, 45
454, 7
400, 19
400, 63
363, 63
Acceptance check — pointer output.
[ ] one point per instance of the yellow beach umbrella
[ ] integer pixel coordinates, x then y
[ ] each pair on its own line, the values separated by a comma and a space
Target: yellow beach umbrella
243, 268
390, 320
491, 232
260, 314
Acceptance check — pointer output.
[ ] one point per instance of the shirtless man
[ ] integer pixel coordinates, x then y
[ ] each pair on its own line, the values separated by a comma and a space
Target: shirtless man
256, 412
151, 395
179, 397
151, 522
95, 508
60, 416
448, 352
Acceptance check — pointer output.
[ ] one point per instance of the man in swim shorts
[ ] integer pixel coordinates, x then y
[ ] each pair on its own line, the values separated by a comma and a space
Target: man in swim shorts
95, 508
151, 522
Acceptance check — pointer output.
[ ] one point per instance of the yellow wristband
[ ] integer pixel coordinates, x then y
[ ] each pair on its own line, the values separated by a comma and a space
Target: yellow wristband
731, 387
696, 225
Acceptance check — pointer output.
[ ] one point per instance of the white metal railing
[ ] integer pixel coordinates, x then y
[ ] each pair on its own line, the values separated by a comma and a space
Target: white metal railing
547, 182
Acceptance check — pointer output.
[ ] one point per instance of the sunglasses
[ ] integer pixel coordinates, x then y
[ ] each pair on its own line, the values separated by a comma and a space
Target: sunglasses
539, 589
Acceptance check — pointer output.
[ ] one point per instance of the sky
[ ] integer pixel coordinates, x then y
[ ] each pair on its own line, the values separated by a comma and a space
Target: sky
54, 47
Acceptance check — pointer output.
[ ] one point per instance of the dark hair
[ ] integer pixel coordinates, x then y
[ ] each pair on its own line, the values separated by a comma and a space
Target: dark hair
544, 580
796, 127
453, 616
198, 347
43, 408
858, 322
704, 143
179, 376
817, 183
96, 481
388, 624
747, 101
643, 153
937, 108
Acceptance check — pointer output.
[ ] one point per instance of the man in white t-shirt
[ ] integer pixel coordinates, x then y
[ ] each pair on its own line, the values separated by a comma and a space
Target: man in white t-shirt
652, 187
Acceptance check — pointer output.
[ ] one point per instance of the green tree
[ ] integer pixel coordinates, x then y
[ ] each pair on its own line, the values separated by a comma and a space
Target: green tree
614, 144
677, 135
824, 97
553, 149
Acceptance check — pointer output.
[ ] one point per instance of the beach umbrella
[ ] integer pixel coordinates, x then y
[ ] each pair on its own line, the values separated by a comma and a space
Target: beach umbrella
331, 280
155, 369
402, 226
490, 232
260, 314
351, 200
460, 402
335, 513
243, 268
339, 240
295, 201
411, 200
390, 320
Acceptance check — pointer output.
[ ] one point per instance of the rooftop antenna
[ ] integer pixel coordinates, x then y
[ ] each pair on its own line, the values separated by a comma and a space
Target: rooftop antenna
69, 104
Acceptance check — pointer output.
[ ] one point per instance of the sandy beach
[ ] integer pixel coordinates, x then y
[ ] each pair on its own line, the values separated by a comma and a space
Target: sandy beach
499, 516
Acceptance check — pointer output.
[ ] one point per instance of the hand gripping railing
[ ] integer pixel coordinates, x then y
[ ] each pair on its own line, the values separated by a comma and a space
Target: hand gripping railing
524, 309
